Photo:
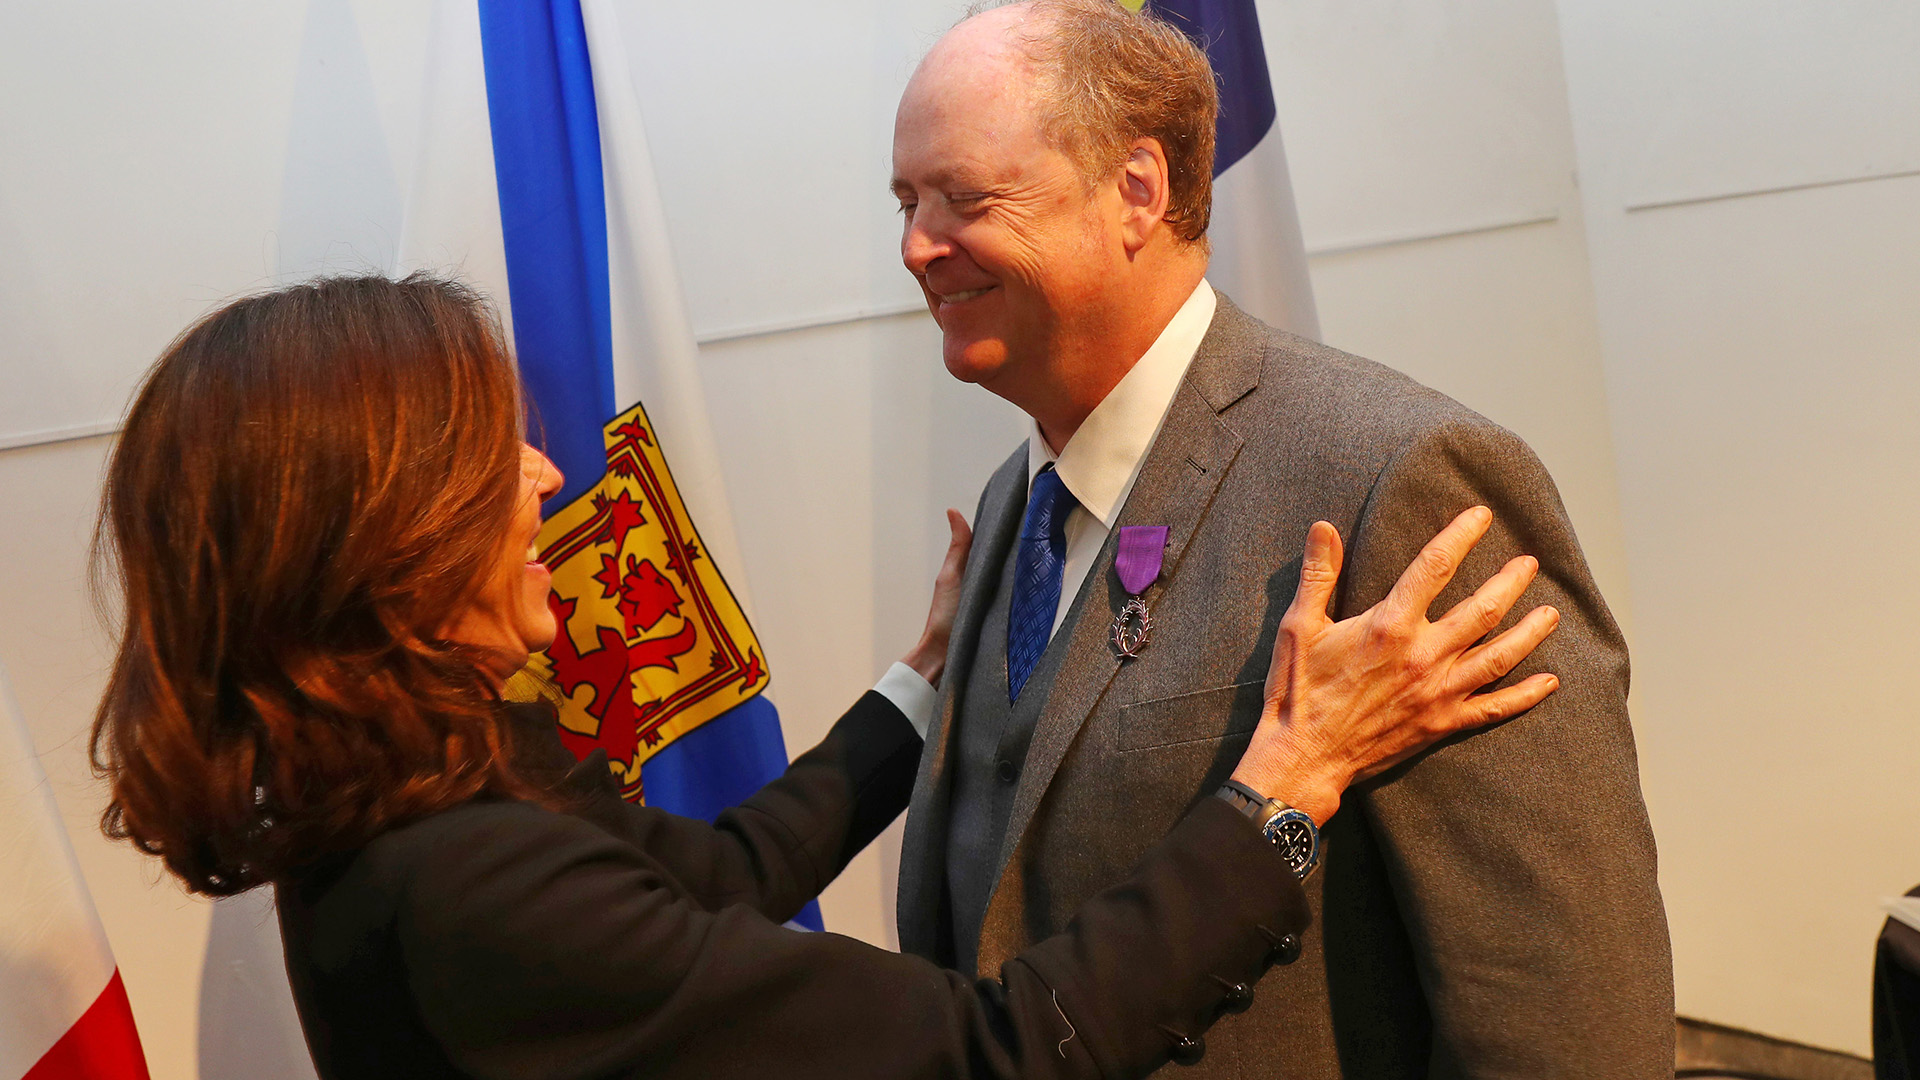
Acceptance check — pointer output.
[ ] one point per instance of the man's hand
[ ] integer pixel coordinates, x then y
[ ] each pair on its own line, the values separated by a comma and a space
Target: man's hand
1347, 700
929, 656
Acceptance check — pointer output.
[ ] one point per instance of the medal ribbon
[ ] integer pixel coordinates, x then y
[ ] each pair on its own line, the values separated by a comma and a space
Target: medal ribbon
1137, 561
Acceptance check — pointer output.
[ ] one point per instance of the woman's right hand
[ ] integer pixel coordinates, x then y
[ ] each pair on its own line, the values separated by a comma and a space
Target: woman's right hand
1346, 700
929, 655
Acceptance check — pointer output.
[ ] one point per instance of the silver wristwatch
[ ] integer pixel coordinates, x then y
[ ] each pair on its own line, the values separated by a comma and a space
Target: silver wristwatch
1290, 830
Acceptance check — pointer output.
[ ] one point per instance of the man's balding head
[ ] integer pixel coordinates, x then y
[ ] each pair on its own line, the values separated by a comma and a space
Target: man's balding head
1053, 160
1099, 77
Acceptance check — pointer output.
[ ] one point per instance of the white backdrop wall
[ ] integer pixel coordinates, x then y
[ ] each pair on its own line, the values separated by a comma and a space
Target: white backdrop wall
1717, 387
1748, 173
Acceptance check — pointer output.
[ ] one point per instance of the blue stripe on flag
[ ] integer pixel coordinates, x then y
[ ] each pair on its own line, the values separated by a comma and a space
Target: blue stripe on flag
553, 213
1229, 30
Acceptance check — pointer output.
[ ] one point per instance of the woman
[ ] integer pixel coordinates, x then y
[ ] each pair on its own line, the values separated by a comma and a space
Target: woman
320, 514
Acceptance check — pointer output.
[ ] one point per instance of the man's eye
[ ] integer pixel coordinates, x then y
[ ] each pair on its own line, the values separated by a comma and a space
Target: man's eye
907, 209
968, 201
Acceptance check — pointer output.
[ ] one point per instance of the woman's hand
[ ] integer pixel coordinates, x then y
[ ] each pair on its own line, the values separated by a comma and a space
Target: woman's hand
929, 657
1347, 700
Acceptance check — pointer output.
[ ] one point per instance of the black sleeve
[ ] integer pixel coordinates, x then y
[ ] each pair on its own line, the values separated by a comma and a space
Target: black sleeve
539, 946
1896, 1000
781, 847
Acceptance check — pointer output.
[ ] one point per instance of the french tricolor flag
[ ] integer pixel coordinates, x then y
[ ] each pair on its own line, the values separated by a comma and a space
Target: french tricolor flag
1259, 257
63, 1009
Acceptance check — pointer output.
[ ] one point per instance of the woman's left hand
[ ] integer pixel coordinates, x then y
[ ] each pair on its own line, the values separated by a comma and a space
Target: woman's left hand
929, 657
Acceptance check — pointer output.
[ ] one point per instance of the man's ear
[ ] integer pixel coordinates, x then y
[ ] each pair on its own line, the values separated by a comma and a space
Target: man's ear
1144, 193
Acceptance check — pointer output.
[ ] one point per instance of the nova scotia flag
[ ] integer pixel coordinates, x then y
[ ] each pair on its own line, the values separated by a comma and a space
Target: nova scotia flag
535, 183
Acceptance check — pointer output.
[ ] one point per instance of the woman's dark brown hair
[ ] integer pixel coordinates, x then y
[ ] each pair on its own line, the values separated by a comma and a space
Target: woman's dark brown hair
310, 484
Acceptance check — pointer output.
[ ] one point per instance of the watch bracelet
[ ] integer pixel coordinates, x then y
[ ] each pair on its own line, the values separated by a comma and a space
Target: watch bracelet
1256, 807
1261, 810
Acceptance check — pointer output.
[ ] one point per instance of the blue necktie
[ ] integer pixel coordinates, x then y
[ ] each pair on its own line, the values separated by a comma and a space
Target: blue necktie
1036, 576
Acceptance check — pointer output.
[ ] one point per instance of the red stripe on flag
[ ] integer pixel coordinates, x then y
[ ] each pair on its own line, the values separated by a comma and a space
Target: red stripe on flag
101, 1045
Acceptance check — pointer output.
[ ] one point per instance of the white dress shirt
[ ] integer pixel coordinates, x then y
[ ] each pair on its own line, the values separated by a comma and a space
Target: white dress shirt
1102, 460
1098, 465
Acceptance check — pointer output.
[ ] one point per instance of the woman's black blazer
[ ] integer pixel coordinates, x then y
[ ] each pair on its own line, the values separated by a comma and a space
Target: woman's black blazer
501, 940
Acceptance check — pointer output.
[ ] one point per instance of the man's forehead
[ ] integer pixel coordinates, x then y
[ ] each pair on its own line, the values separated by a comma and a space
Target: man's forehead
966, 148
946, 172
962, 119
979, 63
958, 85
968, 112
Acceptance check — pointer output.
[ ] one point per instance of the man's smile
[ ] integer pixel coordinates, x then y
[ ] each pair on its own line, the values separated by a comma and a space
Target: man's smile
967, 294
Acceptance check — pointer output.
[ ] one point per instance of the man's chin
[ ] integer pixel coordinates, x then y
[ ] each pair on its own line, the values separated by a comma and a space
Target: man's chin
974, 362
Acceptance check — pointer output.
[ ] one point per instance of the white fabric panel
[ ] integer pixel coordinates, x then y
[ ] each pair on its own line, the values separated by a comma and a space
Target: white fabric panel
56, 650
450, 223
452, 219
1759, 368
1416, 119
161, 159
1718, 97
1259, 258
54, 959
772, 128
655, 360
249, 1027
140, 181
339, 196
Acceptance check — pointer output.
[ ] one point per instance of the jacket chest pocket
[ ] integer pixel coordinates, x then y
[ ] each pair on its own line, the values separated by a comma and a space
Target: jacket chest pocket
1193, 719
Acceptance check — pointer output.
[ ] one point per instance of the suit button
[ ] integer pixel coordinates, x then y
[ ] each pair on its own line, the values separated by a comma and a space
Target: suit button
1188, 1050
1239, 999
1005, 771
1286, 950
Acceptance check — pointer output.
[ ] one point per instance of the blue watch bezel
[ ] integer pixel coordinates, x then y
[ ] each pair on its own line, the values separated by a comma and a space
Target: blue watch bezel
1271, 830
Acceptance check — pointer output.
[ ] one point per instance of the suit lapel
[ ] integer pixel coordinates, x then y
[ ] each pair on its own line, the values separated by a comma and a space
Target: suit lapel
1182, 471
923, 856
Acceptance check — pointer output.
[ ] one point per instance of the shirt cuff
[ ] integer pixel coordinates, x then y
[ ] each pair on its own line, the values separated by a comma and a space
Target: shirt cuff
911, 694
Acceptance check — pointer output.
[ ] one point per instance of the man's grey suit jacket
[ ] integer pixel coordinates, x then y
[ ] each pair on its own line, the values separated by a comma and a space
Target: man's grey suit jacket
1488, 909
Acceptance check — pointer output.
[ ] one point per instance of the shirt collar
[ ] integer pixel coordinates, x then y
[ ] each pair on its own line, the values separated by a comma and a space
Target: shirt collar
1099, 463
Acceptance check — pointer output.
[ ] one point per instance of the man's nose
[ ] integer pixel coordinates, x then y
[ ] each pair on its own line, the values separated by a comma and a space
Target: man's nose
923, 242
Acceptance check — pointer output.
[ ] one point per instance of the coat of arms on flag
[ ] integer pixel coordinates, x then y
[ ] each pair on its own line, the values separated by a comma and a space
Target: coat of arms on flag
535, 179
652, 643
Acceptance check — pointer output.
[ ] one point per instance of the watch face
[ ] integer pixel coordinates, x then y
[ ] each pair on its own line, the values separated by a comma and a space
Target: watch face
1293, 833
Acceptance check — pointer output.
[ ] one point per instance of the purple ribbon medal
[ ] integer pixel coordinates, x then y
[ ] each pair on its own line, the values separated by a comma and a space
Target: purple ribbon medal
1137, 561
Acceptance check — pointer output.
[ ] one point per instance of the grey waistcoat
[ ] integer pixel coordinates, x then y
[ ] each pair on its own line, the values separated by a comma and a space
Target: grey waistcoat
992, 744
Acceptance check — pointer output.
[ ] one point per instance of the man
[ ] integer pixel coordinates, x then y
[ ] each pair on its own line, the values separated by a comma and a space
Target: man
1489, 909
